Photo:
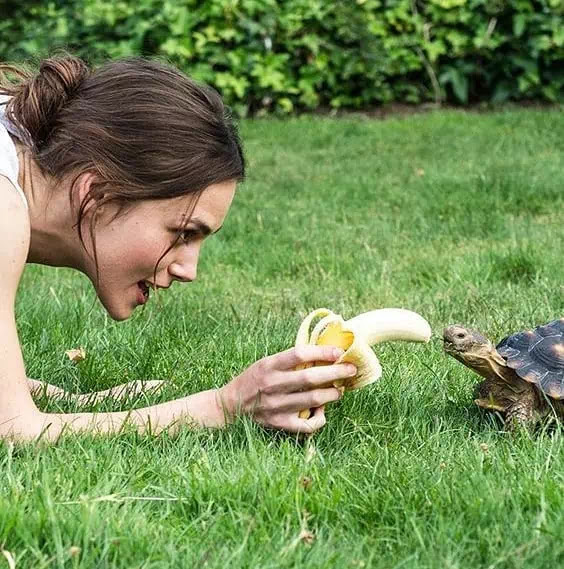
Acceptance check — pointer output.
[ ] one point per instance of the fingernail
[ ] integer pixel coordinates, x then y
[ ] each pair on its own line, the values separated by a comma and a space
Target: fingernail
352, 370
338, 352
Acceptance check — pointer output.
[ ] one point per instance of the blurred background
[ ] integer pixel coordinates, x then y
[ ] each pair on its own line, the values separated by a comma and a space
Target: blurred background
286, 56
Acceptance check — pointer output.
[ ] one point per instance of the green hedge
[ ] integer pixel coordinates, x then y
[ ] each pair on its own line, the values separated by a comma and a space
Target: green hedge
282, 55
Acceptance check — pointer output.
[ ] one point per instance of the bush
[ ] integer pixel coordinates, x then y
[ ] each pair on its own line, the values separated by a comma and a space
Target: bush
281, 55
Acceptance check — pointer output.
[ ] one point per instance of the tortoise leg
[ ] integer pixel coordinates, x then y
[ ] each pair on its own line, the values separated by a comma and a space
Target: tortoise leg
489, 395
520, 413
490, 405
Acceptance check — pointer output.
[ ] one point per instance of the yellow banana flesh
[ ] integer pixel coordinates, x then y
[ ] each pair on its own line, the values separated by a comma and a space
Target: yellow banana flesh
356, 336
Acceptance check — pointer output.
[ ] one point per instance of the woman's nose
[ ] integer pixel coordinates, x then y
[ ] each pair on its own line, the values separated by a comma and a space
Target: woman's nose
184, 267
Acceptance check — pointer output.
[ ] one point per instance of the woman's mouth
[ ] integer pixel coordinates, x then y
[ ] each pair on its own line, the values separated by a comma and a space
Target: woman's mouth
143, 292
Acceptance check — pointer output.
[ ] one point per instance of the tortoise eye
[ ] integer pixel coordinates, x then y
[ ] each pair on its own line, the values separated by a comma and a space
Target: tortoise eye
460, 335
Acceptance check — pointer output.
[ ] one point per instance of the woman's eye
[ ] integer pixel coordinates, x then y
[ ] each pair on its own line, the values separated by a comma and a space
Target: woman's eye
188, 235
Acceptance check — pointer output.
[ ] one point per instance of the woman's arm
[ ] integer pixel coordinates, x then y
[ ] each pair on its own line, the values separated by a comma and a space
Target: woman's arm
18, 412
40, 388
118, 392
198, 410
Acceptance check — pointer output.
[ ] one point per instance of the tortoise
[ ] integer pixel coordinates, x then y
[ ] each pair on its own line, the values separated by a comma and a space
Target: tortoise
524, 373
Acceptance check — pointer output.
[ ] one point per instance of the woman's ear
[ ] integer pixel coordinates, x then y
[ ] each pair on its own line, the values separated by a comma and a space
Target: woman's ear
81, 188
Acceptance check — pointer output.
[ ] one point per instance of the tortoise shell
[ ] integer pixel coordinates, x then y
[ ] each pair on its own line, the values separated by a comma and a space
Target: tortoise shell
537, 356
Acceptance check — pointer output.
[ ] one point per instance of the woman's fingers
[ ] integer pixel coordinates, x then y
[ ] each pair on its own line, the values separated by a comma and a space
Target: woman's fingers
303, 355
317, 420
308, 426
308, 378
318, 376
294, 402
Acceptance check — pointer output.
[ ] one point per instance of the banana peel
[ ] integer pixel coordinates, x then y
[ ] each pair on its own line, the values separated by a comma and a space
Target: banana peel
357, 336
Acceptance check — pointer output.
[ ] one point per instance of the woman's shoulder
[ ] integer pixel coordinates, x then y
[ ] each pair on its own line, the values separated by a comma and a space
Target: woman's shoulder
14, 236
14, 211
9, 164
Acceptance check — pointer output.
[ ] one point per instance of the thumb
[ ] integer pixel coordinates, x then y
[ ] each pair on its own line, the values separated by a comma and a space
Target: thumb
317, 420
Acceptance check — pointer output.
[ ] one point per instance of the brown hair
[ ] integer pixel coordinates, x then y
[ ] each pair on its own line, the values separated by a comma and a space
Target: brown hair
147, 130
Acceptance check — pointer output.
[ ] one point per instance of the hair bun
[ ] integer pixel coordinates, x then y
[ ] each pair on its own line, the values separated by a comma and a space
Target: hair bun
41, 98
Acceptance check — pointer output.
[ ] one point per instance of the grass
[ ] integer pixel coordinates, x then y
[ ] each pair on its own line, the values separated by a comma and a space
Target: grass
457, 216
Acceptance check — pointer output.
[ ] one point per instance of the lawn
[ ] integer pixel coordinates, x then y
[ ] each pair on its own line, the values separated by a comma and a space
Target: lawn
457, 216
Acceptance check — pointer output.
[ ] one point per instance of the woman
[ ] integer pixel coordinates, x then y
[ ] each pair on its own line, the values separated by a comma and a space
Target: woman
121, 172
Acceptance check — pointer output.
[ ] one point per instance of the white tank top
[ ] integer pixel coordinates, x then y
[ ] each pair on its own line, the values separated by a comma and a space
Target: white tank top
9, 165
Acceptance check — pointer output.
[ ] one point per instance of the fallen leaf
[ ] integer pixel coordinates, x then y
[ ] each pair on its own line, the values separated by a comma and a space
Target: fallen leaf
76, 355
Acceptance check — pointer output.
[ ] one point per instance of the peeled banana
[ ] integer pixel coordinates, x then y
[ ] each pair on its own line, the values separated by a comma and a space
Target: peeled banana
356, 336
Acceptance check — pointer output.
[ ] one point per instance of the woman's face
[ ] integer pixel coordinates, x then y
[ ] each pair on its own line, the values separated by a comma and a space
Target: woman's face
129, 247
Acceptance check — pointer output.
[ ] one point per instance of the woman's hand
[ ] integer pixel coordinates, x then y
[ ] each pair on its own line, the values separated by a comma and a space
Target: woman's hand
273, 392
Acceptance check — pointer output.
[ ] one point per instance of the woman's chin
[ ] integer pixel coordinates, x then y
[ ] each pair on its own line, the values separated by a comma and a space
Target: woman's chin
118, 313
120, 317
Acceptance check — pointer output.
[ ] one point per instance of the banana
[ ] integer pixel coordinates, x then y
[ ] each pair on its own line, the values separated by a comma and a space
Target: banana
356, 336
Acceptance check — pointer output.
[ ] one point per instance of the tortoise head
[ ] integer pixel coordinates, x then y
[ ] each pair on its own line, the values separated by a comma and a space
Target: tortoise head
471, 348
